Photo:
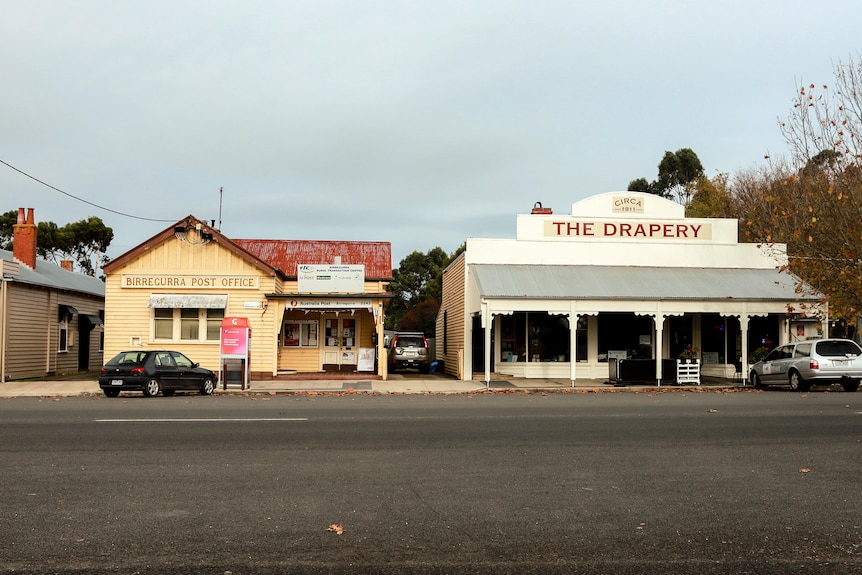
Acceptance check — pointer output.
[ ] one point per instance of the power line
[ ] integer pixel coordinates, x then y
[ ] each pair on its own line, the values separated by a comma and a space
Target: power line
22, 172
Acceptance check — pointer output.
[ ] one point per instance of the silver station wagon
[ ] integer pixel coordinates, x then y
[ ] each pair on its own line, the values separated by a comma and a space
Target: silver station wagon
802, 364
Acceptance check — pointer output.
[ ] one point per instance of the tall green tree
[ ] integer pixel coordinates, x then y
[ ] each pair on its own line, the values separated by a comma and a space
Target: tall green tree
85, 242
417, 279
677, 174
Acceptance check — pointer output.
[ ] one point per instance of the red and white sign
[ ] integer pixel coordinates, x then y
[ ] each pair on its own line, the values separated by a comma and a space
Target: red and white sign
235, 335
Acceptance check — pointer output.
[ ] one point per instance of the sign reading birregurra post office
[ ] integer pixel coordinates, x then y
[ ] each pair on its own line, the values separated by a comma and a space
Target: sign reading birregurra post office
330, 278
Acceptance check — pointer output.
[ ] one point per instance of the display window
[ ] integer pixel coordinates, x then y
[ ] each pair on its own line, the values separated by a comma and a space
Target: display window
300, 333
539, 336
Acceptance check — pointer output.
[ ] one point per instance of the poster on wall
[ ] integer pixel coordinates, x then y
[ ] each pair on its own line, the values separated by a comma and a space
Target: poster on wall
366, 359
291, 335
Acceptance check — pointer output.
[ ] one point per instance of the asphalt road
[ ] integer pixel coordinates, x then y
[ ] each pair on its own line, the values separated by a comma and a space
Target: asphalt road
623, 483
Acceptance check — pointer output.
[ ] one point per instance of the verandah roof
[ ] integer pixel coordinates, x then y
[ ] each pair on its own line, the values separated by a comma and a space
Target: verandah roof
634, 283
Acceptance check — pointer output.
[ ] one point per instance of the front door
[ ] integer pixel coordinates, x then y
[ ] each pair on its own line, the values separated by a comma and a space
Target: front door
83, 348
340, 345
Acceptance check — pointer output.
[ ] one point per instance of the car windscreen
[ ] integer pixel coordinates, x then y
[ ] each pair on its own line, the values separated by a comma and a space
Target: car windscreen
837, 348
409, 341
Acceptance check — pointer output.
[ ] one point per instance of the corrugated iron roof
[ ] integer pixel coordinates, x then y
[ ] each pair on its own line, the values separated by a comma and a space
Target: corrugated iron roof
288, 254
49, 274
634, 283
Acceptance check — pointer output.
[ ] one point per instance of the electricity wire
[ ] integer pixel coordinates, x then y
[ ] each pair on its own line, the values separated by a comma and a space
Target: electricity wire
35, 179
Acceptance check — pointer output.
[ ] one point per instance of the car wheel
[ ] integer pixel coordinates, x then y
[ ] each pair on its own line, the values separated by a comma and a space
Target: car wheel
797, 383
152, 387
851, 385
208, 386
755, 380
116, 392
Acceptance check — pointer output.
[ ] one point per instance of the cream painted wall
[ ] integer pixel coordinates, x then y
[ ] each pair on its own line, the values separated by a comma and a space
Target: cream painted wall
128, 319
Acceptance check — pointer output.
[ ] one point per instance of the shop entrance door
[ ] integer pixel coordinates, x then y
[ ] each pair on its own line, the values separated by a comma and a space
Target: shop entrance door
340, 345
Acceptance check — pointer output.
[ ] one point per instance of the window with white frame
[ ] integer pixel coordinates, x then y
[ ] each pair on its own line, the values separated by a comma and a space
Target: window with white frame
187, 324
300, 333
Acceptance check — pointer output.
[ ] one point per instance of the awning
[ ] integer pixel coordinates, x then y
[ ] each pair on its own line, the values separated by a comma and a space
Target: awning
634, 283
188, 301
66, 312
88, 322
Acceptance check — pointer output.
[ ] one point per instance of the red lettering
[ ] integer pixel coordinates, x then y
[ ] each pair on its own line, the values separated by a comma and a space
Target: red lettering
626, 230
654, 229
695, 229
640, 231
588, 229
559, 226
681, 231
610, 229
668, 230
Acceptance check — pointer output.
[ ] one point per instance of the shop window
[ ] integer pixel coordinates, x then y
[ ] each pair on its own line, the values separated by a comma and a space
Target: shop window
625, 333
582, 335
536, 336
63, 346
300, 333
187, 324
719, 339
513, 337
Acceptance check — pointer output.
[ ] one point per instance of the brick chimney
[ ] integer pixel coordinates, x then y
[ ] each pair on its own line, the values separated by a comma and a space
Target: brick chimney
538, 209
67, 265
24, 239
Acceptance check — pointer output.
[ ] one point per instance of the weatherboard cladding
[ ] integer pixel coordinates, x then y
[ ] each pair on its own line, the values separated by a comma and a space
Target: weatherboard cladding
286, 255
632, 283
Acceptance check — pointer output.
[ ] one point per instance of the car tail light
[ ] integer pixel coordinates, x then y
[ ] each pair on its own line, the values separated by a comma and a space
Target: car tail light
814, 364
424, 342
104, 371
137, 371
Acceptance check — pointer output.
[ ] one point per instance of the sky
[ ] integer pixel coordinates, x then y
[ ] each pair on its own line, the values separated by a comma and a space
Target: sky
415, 123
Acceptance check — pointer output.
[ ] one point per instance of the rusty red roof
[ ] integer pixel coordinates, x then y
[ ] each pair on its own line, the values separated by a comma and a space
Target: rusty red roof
286, 255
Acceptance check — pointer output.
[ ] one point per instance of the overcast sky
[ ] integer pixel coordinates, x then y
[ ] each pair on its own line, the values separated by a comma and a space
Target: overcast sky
417, 123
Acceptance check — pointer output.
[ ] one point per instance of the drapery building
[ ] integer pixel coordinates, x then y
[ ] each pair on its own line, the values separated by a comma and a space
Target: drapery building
626, 275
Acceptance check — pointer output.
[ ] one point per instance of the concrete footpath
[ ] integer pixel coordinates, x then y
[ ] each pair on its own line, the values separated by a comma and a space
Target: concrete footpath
396, 384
